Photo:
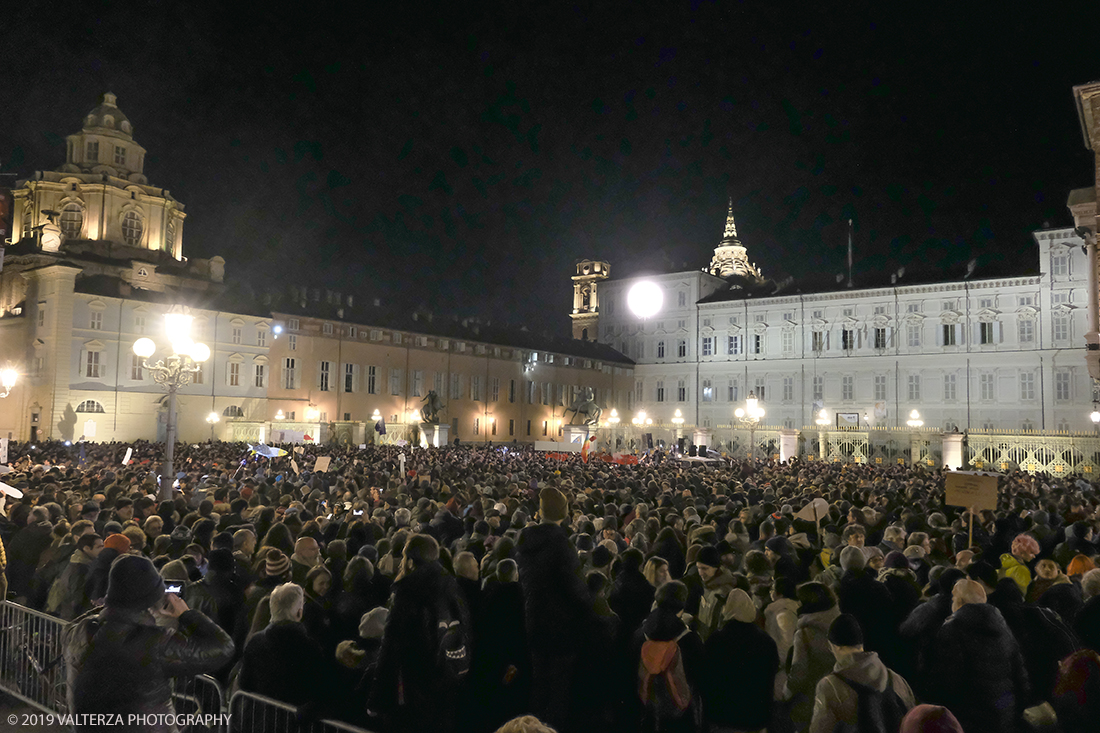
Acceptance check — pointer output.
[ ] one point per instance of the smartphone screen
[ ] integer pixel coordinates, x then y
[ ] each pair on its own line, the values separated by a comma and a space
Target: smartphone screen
358, 512
174, 588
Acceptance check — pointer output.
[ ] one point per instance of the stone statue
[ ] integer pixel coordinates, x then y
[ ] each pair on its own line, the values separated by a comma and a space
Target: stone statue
432, 407
585, 405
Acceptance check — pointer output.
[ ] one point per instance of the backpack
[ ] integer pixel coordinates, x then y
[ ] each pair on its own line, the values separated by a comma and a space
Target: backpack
663, 687
453, 651
879, 712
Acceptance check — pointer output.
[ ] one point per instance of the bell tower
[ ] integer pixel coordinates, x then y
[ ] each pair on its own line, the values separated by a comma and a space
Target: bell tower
586, 301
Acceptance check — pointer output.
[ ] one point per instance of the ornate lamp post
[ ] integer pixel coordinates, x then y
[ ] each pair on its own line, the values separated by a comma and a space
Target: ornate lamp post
212, 418
172, 372
751, 416
914, 420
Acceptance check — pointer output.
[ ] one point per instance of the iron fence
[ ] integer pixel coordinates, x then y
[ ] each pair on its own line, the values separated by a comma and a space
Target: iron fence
32, 666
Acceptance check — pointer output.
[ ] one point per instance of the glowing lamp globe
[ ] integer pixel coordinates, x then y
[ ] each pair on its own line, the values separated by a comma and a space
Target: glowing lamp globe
8, 377
144, 347
644, 299
200, 352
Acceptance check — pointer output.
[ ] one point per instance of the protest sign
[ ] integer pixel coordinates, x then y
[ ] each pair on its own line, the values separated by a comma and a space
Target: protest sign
972, 490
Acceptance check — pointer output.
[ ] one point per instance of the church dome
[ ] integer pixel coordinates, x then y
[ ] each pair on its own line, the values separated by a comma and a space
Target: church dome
107, 116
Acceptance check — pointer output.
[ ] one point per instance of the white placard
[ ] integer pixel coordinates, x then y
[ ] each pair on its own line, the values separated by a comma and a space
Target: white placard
322, 464
129, 454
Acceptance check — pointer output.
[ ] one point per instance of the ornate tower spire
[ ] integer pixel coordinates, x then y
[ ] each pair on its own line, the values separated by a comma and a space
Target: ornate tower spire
730, 257
731, 228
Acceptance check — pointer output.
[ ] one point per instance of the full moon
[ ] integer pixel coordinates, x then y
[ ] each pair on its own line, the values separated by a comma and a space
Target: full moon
644, 299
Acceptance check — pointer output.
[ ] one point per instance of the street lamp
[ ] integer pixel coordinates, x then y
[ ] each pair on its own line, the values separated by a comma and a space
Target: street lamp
279, 415
212, 418
1095, 416
914, 420
172, 372
751, 416
614, 419
8, 378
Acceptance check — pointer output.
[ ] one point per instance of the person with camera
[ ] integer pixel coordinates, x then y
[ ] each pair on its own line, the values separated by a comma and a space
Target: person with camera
120, 661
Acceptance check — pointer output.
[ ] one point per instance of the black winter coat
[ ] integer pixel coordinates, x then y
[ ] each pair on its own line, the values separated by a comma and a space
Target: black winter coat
868, 600
285, 663
561, 626
24, 550
120, 662
631, 597
1087, 624
739, 676
977, 671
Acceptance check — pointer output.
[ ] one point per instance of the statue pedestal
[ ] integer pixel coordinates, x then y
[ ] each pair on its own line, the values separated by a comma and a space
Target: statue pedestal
436, 436
701, 437
788, 445
953, 457
576, 433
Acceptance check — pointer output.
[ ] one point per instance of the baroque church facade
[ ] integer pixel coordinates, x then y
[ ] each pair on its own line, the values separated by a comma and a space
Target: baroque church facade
982, 349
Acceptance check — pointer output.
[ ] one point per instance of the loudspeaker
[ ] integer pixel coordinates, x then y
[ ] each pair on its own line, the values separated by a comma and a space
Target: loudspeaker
680, 446
692, 450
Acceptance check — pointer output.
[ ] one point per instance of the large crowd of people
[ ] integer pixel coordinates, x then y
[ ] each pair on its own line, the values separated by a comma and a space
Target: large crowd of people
478, 588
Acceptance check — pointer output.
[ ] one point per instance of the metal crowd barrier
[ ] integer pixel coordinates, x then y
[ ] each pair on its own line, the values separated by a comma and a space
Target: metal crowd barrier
32, 666
252, 713
199, 695
32, 669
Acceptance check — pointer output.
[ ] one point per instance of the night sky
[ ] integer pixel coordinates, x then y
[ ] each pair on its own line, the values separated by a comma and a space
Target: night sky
462, 156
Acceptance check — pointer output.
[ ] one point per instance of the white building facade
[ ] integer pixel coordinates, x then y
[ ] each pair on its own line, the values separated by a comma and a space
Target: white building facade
980, 352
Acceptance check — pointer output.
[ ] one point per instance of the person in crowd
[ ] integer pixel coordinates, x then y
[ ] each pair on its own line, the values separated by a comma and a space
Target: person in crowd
811, 656
976, 668
836, 699
663, 625
68, 596
25, 550
416, 687
738, 675
1076, 697
1017, 564
120, 661
559, 614
283, 661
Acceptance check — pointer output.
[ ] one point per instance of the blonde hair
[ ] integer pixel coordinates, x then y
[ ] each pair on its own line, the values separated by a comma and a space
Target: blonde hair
525, 724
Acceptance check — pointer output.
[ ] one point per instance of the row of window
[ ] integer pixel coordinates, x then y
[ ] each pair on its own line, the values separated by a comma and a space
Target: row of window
141, 321
851, 339
236, 372
986, 392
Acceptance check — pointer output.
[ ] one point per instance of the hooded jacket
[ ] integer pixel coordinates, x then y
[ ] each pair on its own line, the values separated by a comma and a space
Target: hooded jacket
1011, 567
836, 702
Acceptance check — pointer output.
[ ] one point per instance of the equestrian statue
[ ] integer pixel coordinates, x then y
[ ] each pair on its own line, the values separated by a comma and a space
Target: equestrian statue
585, 405
432, 407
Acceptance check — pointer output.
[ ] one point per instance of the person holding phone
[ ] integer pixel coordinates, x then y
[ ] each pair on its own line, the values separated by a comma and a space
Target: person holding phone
120, 662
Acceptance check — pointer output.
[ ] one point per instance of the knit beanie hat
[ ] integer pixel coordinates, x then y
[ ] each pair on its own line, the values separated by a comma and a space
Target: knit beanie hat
930, 719
601, 557
852, 558
778, 545
739, 607
118, 542
708, 556
896, 560
845, 631
373, 623
276, 564
133, 583
553, 505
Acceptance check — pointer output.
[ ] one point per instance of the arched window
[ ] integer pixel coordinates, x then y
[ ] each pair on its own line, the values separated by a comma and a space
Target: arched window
90, 406
233, 411
72, 220
132, 228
